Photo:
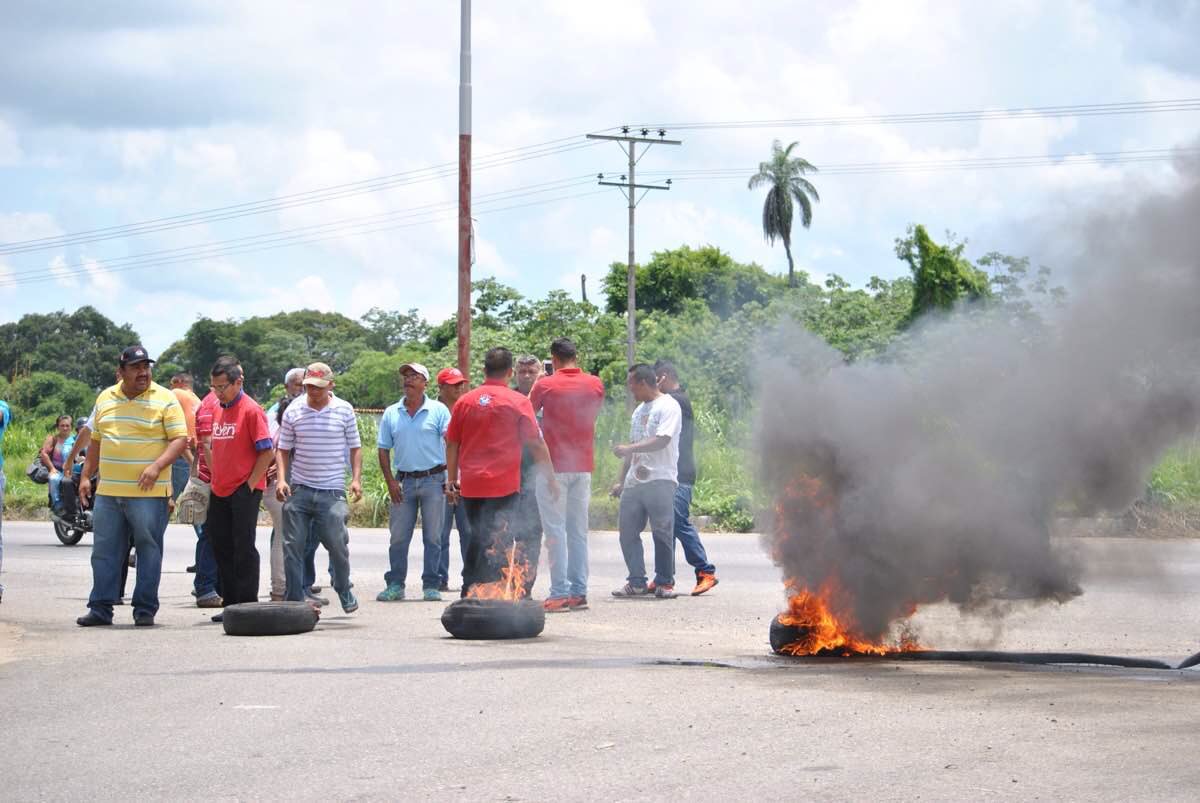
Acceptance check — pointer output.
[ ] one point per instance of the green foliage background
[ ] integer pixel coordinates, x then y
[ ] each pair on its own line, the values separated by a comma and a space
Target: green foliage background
697, 306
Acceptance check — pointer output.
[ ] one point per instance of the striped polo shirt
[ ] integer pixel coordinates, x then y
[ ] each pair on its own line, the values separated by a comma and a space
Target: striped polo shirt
132, 434
319, 441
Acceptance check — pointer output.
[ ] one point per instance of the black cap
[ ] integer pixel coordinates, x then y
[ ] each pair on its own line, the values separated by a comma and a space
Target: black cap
134, 354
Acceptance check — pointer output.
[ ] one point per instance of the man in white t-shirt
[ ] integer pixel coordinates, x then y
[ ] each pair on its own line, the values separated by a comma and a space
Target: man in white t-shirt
647, 485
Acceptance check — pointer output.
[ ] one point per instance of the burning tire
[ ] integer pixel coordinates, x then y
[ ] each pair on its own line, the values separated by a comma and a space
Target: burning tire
494, 619
269, 618
783, 635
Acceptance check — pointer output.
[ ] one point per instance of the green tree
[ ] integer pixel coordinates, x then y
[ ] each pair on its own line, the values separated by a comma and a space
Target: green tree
45, 394
82, 345
268, 347
785, 176
391, 329
673, 277
941, 274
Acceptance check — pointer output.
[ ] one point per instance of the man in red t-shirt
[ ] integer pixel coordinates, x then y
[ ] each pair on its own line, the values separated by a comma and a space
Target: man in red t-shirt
488, 427
569, 401
241, 451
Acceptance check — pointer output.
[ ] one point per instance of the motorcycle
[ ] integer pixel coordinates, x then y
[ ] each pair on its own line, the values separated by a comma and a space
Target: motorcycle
73, 521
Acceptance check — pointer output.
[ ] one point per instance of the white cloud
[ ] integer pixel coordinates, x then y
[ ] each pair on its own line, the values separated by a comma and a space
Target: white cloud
10, 147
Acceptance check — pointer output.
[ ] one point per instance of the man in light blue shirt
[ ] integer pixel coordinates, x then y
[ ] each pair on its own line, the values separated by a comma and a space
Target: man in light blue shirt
412, 443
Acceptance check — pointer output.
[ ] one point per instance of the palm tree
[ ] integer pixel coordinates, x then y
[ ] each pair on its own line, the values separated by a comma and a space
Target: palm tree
786, 177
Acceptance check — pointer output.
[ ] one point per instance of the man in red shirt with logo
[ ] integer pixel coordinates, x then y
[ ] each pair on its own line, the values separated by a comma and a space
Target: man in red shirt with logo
241, 451
488, 427
569, 401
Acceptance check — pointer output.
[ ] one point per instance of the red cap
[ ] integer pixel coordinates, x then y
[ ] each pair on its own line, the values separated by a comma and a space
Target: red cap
450, 376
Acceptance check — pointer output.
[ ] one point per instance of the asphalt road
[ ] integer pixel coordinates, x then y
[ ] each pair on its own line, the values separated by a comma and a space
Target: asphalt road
633, 699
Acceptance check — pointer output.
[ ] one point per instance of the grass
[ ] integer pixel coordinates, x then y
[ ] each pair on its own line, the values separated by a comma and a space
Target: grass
22, 440
1175, 481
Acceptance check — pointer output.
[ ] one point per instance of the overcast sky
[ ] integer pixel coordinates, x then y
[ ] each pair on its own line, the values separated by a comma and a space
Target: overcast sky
120, 112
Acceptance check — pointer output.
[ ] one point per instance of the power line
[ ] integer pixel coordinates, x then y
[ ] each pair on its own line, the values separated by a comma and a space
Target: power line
211, 252
334, 225
321, 195
372, 223
965, 163
1085, 110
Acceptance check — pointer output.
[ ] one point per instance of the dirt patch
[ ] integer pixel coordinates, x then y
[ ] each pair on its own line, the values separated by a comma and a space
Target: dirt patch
1140, 521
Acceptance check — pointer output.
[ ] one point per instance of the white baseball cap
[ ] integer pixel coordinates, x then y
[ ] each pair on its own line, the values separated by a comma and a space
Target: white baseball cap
416, 367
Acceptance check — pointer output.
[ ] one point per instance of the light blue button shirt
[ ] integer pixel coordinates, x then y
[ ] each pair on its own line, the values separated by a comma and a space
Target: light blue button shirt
417, 441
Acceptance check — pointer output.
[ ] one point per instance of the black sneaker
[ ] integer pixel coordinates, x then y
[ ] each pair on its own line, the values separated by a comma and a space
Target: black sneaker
143, 619
220, 617
92, 619
191, 569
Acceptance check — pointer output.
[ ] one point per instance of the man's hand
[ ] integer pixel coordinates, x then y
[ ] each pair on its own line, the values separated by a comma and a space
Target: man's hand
356, 490
85, 491
615, 491
395, 491
452, 493
553, 488
149, 477
622, 450
282, 490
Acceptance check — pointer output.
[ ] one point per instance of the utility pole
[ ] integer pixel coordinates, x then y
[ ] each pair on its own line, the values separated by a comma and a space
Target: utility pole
628, 143
463, 328
583, 287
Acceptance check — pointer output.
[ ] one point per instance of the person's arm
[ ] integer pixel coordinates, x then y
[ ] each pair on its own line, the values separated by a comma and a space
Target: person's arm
170, 455
82, 439
282, 489
44, 454
616, 489
356, 472
260, 467
451, 487
90, 465
652, 444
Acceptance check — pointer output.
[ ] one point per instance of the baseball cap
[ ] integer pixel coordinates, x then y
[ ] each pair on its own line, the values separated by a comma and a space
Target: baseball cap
318, 374
450, 376
417, 368
134, 354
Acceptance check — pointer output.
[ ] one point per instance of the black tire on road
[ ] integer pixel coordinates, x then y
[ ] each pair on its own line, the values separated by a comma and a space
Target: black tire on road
783, 635
70, 536
494, 619
269, 618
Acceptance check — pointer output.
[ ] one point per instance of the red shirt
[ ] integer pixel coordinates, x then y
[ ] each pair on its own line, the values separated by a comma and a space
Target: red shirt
569, 400
239, 434
204, 419
490, 424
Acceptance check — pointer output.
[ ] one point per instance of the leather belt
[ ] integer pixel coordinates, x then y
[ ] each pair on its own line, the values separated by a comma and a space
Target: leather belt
416, 475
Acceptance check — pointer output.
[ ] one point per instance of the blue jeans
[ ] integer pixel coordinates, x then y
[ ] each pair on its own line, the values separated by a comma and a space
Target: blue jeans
566, 524
453, 516
55, 489
310, 515
115, 521
686, 534
424, 494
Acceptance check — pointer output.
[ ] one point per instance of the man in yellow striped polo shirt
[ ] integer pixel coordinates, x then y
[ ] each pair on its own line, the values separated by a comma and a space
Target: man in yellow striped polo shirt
139, 432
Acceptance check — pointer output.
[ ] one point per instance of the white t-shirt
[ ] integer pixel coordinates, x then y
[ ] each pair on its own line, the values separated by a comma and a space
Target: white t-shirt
659, 417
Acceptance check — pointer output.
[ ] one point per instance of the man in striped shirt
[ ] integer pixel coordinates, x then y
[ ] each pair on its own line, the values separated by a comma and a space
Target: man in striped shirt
316, 431
139, 431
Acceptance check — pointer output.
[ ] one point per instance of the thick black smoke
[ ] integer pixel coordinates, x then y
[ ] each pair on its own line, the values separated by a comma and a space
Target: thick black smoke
935, 476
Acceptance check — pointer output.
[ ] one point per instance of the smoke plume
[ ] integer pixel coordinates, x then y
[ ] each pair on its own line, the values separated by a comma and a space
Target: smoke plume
934, 475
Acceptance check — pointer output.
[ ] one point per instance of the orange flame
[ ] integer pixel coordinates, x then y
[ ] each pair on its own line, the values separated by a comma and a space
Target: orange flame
823, 617
511, 585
